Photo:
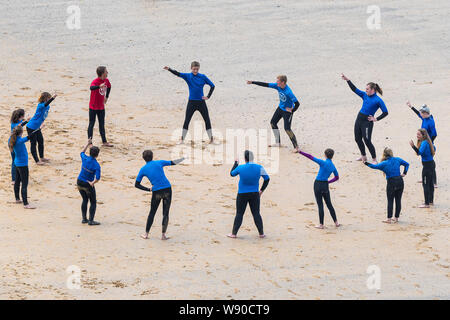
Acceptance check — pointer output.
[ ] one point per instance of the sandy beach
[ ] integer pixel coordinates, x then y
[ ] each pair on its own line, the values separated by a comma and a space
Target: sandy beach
310, 41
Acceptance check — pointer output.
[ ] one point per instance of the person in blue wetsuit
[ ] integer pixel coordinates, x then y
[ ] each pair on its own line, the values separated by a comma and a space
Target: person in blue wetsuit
89, 175
321, 184
249, 193
197, 101
366, 117
390, 165
16, 144
17, 119
35, 122
286, 108
428, 124
426, 150
161, 189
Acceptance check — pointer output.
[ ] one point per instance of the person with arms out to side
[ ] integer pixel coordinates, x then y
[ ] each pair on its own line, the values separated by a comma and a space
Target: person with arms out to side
286, 108
35, 123
88, 177
390, 165
428, 124
426, 150
161, 189
249, 193
197, 101
321, 185
100, 90
17, 119
16, 144
366, 117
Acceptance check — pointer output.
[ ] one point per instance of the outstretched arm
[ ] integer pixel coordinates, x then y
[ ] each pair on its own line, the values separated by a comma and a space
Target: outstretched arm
352, 86
50, 100
172, 71
177, 161
87, 145
258, 83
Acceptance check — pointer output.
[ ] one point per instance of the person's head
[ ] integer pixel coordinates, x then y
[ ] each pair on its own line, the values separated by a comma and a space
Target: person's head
281, 81
94, 151
102, 73
372, 88
195, 67
17, 115
248, 156
16, 133
45, 96
147, 155
422, 135
425, 111
387, 153
329, 153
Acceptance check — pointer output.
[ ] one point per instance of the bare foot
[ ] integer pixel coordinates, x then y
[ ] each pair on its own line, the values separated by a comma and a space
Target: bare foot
262, 236
275, 145
45, 159
233, 236
107, 144
424, 206
13, 182
320, 226
395, 220
163, 237
420, 181
18, 201
144, 236
435, 186
362, 158
181, 141
40, 163
387, 221
374, 161
337, 224
29, 206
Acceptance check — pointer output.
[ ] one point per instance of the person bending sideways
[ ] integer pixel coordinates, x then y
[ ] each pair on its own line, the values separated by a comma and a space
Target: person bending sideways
161, 189
249, 175
286, 108
197, 100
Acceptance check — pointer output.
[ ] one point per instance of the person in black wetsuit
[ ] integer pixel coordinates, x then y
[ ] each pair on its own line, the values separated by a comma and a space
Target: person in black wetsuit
197, 101
366, 117
248, 193
286, 108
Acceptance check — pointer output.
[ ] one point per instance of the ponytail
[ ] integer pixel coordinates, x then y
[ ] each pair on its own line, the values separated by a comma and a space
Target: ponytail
12, 140
376, 87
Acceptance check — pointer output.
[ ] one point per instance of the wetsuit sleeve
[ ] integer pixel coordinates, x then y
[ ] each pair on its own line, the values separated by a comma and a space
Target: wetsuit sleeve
416, 112
383, 115
306, 155
97, 172
175, 162
23, 124
140, 176
405, 166
355, 89
378, 166
383, 109
49, 101
234, 171
211, 90
261, 84
416, 150
175, 72
336, 176
166, 163
296, 105
108, 90
140, 186
265, 184
94, 87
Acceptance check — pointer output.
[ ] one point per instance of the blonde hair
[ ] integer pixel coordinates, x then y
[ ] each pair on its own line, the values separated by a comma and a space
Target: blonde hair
425, 137
12, 140
387, 153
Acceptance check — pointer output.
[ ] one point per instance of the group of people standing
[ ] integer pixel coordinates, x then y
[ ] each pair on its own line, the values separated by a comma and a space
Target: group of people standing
250, 173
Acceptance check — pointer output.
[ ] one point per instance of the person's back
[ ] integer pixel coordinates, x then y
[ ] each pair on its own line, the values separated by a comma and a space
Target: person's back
154, 171
250, 174
90, 168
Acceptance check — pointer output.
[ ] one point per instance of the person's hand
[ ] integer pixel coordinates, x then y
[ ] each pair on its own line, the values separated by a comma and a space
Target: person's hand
28, 119
42, 126
403, 174
372, 118
205, 98
408, 104
289, 109
344, 77
236, 159
411, 143
89, 141
249, 82
102, 85
260, 193
106, 100
91, 183
166, 68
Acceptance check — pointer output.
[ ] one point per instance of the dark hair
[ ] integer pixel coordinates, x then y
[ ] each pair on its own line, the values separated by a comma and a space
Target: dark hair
195, 64
45, 96
12, 140
248, 155
16, 115
329, 153
147, 155
375, 86
94, 151
101, 70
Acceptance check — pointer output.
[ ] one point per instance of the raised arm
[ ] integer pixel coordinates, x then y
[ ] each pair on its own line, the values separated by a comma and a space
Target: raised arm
177, 161
413, 109
233, 171
352, 86
87, 145
50, 100
411, 143
310, 157
172, 71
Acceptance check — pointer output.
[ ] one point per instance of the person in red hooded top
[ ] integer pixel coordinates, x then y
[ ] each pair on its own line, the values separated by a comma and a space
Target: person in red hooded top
100, 89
